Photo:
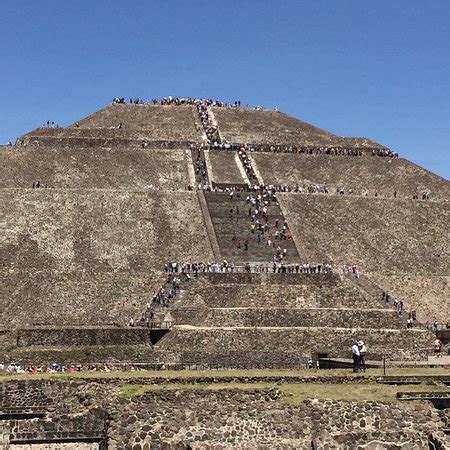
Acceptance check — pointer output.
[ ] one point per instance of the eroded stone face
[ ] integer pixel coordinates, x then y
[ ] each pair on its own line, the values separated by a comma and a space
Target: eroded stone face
92, 257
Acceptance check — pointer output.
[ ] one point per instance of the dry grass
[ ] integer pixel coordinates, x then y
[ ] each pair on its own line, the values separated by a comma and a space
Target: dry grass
296, 392
130, 390
362, 391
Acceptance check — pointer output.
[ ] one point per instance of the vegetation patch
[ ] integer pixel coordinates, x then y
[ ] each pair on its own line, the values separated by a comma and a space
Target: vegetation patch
131, 390
369, 391
295, 392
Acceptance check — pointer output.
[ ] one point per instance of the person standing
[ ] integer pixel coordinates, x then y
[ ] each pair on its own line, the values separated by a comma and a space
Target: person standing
438, 345
355, 356
362, 353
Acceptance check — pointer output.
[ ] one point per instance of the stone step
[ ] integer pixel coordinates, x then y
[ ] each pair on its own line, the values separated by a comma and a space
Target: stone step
219, 206
359, 330
314, 317
269, 278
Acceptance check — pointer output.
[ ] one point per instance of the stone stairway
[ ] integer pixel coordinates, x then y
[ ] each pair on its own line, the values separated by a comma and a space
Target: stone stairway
200, 166
229, 214
370, 289
230, 217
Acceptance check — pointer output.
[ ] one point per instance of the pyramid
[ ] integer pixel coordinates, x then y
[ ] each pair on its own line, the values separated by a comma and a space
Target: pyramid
135, 186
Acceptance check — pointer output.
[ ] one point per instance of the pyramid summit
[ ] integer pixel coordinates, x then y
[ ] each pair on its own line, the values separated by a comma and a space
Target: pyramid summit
191, 233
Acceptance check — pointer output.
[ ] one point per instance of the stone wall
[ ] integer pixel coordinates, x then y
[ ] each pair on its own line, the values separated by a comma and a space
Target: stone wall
336, 342
198, 418
92, 354
276, 296
88, 426
267, 290
77, 336
258, 419
269, 278
130, 140
400, 244
58, 413
29, 396
70, 138
223, 168
403, 236
289, 317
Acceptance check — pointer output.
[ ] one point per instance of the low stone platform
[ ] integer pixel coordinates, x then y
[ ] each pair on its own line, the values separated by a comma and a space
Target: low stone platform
304, 342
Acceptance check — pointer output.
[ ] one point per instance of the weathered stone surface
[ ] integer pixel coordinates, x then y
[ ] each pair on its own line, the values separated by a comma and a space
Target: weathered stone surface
216, 418
272, 127
91, 256
85, 167
364, 175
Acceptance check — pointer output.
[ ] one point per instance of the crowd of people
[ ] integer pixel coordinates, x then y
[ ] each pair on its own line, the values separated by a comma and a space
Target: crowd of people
436, 326
305, 150
228, 266
53, 367
199, 267
309, 188
50, 124
210, 128
200, 169
261, 227
177, 101
384, 153
247, 164
352, 269
160, 299
205, 186
425, 195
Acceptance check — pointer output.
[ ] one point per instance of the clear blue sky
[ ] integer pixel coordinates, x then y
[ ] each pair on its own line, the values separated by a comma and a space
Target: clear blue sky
376, 69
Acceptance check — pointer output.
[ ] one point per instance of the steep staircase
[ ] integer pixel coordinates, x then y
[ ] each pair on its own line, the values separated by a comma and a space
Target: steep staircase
200, 166
232, 224
230, 213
